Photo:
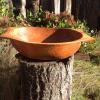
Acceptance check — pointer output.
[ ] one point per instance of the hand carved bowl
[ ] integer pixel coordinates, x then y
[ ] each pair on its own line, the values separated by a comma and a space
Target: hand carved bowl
46, 43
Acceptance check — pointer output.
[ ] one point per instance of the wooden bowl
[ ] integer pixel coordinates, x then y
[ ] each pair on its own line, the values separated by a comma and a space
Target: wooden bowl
45, 43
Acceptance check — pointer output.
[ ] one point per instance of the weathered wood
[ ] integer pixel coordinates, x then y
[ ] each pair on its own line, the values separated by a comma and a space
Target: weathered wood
46, 80
87, 10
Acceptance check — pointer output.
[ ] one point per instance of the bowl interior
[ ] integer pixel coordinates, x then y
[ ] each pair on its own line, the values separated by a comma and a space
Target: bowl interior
46, 35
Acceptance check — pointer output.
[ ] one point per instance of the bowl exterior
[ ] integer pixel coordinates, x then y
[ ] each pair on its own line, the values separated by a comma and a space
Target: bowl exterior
45, 51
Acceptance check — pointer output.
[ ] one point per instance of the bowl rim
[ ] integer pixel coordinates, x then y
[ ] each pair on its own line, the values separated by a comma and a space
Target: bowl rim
60, 43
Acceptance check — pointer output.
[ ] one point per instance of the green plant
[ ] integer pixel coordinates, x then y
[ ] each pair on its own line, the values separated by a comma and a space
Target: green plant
90, 48
87, 48
47, 19
4, 8
2, 30
18, 21
38, 19
63, 24
81, 25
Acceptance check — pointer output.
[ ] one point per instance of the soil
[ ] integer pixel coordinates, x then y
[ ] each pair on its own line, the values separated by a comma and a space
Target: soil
82, 56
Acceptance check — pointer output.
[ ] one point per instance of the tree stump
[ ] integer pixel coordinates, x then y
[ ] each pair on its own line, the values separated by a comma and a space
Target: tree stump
46, 80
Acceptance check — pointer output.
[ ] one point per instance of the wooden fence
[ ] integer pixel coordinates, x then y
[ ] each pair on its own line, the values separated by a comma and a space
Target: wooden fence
88, 10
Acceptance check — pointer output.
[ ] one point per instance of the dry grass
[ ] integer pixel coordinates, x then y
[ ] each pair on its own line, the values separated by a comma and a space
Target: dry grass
86, 81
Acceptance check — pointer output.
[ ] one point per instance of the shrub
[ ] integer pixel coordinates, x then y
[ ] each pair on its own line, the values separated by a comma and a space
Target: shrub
4, 8
47, 19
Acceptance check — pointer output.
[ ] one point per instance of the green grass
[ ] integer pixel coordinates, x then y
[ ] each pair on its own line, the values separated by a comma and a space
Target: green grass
86, 81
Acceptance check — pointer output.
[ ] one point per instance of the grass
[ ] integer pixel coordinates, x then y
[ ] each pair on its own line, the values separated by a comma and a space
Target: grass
86, 76
86, 81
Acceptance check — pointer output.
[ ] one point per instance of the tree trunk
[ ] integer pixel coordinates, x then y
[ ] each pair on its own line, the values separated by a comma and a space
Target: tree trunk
68, 6
35, 6
23, 9
46, 80
10, 6
57, 6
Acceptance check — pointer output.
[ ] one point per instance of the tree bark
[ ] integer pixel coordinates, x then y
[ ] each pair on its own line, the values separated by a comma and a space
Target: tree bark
10, 6
68, 6
23, 9
35, 6
46, 80
57, 6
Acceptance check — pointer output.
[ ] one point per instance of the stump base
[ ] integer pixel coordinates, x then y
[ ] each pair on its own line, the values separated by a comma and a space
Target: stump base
46, 80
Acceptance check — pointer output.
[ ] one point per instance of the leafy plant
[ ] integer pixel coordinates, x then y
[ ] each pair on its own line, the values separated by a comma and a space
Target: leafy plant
4, 8
87, 48
47, 19
82, 25
90, 48
2, 30
63, 24
38, 19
